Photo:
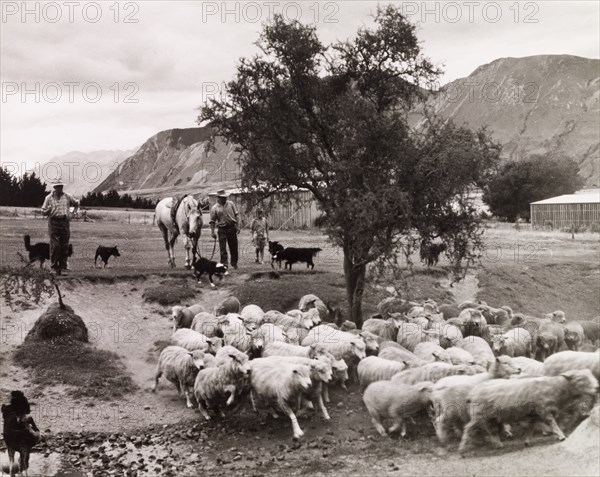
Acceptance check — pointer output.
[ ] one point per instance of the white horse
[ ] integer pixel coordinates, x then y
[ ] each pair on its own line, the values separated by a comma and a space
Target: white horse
188, 220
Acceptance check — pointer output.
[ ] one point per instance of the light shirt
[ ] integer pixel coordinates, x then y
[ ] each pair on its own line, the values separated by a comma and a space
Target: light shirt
259, 227
223, 215
56, 207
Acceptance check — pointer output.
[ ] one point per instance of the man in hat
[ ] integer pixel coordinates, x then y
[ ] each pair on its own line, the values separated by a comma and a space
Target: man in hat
224, 216
56, 206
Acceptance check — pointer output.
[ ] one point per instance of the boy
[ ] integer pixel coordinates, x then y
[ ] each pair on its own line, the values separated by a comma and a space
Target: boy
260, 234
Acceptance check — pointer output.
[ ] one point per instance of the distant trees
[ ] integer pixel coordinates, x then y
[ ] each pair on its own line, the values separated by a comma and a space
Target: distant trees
26, 191
518, 183
113, 199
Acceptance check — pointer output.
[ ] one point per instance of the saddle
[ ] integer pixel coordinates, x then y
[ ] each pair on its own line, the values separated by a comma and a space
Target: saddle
174, 207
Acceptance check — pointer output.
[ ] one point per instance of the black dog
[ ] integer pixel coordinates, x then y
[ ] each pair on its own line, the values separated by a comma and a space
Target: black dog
274, 248
40, 251
20, 432
105, 253
291, 255
203, 265
430, 252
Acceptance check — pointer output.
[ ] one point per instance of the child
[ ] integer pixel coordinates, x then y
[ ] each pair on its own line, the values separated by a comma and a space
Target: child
260, 234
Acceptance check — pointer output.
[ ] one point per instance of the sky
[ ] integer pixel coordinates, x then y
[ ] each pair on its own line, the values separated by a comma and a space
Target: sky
86, 76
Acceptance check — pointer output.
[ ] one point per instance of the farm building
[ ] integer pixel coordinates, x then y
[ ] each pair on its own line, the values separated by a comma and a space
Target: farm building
581, 209
298, 213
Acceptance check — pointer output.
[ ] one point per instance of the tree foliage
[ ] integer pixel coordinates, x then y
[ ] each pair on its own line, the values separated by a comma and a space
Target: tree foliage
25, 191
518, 183
335, 120
113, 199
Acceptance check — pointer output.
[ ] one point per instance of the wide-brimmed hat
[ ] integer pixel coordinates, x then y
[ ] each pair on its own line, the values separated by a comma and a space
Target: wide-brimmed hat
57, 182
222, 193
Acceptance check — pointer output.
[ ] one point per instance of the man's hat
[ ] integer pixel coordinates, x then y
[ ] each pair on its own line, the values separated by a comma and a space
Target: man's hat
57, 182
222, 193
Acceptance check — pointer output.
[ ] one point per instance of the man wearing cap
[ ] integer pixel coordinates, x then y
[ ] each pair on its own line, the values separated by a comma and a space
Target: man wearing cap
56, 206
224, 216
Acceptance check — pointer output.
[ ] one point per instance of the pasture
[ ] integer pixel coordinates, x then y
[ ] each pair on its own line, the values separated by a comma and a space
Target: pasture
534, 272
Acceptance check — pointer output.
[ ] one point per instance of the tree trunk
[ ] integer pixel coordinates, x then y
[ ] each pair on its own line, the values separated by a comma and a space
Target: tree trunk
355, 284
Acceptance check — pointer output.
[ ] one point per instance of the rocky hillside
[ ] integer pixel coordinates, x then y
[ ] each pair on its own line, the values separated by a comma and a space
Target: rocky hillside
545, 104
173, 162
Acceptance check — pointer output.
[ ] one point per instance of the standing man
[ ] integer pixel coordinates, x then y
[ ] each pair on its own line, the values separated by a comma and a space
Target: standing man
56, 206
260, 234
224, 215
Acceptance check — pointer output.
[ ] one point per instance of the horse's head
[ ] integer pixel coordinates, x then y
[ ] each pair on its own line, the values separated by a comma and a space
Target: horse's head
193, 212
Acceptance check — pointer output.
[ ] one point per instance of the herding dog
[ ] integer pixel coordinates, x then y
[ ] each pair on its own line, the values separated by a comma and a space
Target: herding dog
20, 432
291, 255
274, 247
203, 265
105, 253
40, 251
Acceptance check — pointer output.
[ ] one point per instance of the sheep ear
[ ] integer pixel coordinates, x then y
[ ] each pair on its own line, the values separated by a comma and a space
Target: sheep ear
191, 354
568, 377
497, 359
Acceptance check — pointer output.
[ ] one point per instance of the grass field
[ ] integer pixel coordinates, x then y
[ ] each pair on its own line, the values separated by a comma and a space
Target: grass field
533, 272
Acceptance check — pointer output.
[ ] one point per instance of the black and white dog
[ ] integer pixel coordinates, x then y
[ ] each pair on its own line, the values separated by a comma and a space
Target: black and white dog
291, 255
203, 265
105, 253
274, 248
40, 251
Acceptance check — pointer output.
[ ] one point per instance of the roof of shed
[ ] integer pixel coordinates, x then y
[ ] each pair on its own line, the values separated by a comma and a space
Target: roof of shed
580, 198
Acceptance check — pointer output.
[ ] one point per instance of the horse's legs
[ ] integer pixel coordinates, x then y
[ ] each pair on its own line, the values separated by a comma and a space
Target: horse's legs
168, 245
187, 244
171, 247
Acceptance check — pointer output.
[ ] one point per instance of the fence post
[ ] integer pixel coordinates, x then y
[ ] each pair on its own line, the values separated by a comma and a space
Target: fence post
153, 220
129, 218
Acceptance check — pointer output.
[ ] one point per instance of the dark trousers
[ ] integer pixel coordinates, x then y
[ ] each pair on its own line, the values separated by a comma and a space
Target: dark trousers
228, 236
60, 233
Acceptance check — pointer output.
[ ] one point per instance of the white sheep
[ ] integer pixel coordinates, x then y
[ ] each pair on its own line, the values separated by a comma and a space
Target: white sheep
434, 372
373, 368
223, 382
386, 330
574, 335
411, 334
370, 340
515, 342
326, 313
459, 356
287, 321
529, 366
479, 349
501, 401
229, 305
389, 400
278, 384
192, 341
428, 351
270, 332
295, 334
450, 394
208, 324
238, 336
446, 334
183, 316
252, 314
401, 354
278, 348
570, 360
179, 366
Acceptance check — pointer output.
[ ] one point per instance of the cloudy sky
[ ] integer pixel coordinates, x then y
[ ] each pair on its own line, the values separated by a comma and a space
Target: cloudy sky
100, 75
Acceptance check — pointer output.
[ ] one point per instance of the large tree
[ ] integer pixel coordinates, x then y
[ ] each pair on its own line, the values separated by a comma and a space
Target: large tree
518, 183
335, 120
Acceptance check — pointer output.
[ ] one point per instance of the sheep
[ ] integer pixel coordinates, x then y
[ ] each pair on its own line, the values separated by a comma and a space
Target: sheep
588, 348
370, 339
179, 366
494, 316
446, 333
538, 398
434, 372
388, 400
569, 360
401, 355
328, 312
287, 321
192, 341
278, 348
557, 316
459, 356
549, 339
474, 322
320, 374
222, 382
574, 335
373, 368
591, 329
431, 352
238, 336
270, 332
390, 344
229, 305
183, 316
252, 314
409, 335
390, 305
296, 334
208, 324
449, 311
450, 393
479, 349
347, 326
386, 330
279, 384
528, 366
471, 304
515, 342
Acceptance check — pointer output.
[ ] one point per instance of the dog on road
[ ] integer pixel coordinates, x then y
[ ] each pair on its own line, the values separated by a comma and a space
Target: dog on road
40, 251
291, 255
105, 253
203, 265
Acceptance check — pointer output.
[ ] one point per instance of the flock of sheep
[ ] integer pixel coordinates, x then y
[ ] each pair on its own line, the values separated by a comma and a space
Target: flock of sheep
478, 371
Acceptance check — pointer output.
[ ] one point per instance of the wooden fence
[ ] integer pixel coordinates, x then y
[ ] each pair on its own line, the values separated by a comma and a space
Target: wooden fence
559, 216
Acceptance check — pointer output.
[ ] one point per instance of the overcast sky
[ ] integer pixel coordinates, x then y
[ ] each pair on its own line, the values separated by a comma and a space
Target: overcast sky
100, 76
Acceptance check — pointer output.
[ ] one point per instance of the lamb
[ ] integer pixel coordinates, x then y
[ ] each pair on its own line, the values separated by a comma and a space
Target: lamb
386, 330
373, 368
536, 398
229, 305
479, 349
549, 339
574, 335
529, 366
280, 385
401, 355
570, 360
222, 382
183, 316
252, 314
431, 352
179, 366
192, 341
434, 372
389, 400
459, 356
515, 342
450, 393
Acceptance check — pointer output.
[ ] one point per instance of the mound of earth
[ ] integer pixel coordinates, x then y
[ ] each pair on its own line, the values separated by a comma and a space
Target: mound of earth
170, 292
58, 324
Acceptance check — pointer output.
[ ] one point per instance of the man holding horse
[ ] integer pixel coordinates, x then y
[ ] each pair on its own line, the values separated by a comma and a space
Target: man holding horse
224, 216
